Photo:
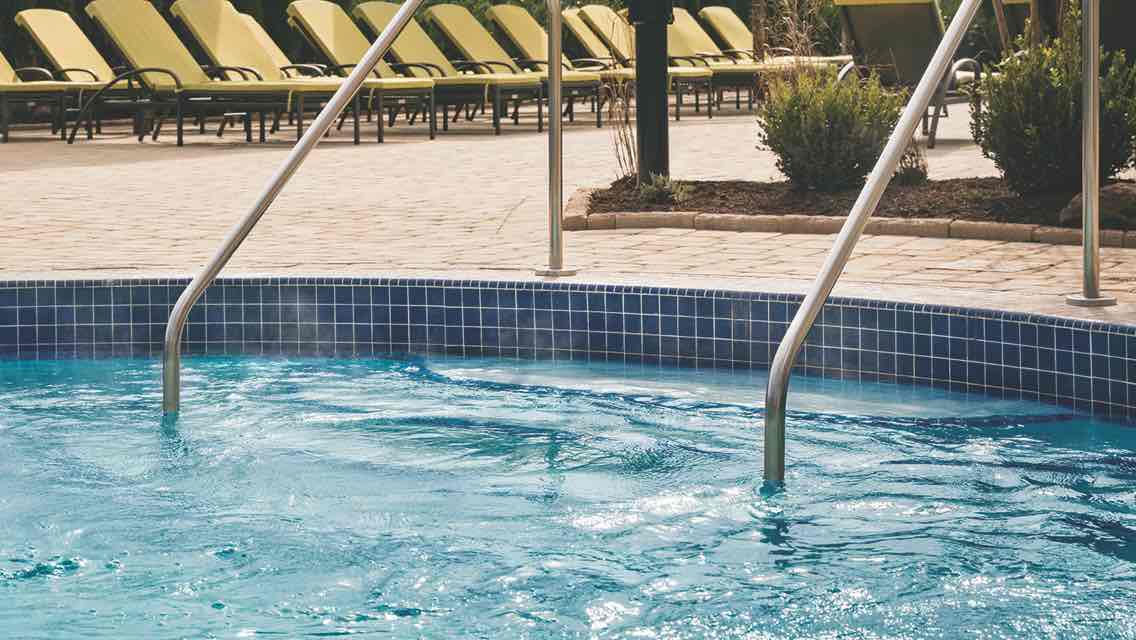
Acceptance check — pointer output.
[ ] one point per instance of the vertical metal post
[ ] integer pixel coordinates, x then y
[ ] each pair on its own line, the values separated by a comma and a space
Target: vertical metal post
1090, 295
651, 18
555, 147
171, 354
776, 393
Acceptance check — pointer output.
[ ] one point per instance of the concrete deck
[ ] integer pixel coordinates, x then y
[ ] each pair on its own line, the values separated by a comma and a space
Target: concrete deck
473, 205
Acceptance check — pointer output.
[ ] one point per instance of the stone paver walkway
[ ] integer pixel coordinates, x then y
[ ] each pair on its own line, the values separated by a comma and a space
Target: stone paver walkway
470, 204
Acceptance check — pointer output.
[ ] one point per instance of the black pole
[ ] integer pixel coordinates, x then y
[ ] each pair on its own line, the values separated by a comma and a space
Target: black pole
651, 18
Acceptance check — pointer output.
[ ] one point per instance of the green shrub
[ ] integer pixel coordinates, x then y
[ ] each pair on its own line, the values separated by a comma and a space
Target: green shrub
1030, 122
826, 134
663, 190
912, 168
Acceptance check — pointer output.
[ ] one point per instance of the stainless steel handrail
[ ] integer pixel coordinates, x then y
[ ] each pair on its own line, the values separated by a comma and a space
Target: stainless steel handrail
555, 147
171, 357
776, 393
1090, 295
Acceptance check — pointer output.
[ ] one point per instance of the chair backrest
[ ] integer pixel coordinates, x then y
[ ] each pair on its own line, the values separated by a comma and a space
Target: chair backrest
616, 33
587, 38
265, 42
696, 39
328, 27
147, 40
468, 35
65, 44
412, 45
523, 30
7, 73
224, 36
731, 31
896, 38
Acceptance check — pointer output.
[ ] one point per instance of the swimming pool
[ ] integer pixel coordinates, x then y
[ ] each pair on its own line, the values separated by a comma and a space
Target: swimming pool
488, 498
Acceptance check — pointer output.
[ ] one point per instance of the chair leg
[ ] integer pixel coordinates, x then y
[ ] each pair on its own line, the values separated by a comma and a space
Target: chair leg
263, 133
678, 104
379, 118
248, 126
599, 110
934, 127
497, 106
710, 103
299, 117
445, 117
356, 115
180, 117
552, 108
59, 117
5, 117
433, 116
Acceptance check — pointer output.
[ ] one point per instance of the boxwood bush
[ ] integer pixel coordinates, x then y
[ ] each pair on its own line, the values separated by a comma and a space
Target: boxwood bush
826, 134
1030, 121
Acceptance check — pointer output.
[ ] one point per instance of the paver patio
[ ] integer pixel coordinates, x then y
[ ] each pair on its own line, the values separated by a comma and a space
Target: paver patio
472, 205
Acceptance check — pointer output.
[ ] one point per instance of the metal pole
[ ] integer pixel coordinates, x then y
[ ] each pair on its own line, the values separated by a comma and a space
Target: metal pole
171, 357
776, 393
555, 147
1090, 295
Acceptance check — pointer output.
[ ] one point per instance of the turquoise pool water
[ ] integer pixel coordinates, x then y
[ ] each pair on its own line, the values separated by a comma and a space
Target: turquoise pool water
493, 499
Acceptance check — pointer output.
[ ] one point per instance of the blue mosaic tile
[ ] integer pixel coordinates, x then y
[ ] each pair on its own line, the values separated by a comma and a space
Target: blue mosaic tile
1076, 363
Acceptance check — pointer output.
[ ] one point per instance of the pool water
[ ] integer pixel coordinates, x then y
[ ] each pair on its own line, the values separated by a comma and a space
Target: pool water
494, 499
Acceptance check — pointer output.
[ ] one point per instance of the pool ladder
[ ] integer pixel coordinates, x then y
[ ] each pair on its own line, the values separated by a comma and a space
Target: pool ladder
171, 349
934, 80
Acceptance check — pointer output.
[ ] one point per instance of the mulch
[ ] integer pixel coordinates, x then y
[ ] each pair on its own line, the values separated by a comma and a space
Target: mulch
984, 199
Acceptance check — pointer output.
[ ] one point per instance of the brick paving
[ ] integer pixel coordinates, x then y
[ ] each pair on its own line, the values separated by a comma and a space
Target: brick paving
472, 205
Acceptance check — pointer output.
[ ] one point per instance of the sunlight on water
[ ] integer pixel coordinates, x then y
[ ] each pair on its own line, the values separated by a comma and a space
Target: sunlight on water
491, 499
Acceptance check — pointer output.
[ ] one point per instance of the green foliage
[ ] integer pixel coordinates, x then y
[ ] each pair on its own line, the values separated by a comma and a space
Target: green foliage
912, 168
827, 134
663, 190
1030, 124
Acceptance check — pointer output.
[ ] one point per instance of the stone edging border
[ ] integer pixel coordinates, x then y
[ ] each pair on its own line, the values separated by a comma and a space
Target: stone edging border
576, 218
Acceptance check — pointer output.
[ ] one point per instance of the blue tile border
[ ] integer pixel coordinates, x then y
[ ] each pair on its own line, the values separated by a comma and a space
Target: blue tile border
1087, 365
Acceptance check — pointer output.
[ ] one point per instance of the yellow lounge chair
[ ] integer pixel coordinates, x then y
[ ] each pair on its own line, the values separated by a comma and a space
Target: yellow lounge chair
58, 92
174, 78
456, 83
896, 39
737, 40
618, 37
530, 38
468, 35
689, 45
277, 55
74, 57
228, 41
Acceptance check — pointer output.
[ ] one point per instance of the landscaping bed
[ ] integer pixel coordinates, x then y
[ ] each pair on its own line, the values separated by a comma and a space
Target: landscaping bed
971, 199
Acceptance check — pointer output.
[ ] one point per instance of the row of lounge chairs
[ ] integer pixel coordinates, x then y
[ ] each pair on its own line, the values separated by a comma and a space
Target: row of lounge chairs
251, 77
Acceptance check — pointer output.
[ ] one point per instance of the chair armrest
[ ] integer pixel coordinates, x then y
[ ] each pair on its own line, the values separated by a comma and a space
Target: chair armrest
594, 62
219, 70
741, 54
432, 70
471, 65
312, 69
490, 64
60, 72
39, 70
693, 60
339, 68
710, 56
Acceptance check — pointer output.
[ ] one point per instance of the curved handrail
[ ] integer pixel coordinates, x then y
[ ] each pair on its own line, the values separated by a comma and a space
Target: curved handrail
781, 369
171, 356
